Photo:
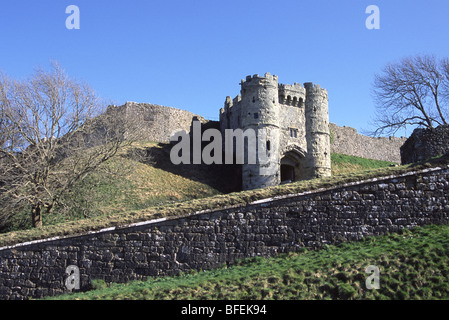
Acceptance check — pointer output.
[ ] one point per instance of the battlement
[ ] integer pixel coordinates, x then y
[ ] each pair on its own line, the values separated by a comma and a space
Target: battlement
237, 99
295, 115
229, 103
292, 94
294, 87
256, 79
315, 88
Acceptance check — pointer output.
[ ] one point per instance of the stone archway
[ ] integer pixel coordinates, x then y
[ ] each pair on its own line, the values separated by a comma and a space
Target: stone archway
292, 164
287, 173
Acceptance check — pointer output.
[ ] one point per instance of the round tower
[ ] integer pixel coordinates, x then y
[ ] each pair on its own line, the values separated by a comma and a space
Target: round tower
260, 112
318, 162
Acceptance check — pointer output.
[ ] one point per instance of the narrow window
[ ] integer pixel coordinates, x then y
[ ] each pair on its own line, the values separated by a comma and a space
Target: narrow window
281, 99
256, 115
293, 133
268, 145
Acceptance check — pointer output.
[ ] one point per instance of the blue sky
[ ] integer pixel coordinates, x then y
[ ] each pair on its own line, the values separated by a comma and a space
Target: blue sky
191, 54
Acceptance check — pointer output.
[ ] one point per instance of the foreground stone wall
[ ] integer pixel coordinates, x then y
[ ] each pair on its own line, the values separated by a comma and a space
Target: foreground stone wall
206, 240
347, 140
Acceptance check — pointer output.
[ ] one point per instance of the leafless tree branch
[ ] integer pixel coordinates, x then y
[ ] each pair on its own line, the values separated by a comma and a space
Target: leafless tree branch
54, 131
413, 91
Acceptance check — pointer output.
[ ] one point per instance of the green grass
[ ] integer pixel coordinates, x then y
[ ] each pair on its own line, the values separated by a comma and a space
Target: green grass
120, 185
134, 185
414, 264
342, 164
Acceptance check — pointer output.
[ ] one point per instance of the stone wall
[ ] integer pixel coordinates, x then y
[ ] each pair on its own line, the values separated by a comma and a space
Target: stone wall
156, 123
425, 143
209, 239
347, 140
293, 118
153, 122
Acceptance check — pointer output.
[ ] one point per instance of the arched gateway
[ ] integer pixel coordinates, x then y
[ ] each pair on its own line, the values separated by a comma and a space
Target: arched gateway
292, 164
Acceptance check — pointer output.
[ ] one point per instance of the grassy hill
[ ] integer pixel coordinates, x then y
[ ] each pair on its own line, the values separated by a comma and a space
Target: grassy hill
413, 265
141, 176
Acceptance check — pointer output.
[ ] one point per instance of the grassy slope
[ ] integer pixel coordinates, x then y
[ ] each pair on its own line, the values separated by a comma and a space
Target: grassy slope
135, 185
343, 164
413, 265
195, 201
121, 185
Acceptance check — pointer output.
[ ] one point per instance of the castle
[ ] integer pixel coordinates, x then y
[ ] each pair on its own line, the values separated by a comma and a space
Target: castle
296, 119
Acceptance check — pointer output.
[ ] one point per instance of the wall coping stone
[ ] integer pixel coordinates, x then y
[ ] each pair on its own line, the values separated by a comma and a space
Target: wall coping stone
256, 202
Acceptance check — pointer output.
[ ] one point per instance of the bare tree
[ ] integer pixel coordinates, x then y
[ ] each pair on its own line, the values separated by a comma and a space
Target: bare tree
53, 133
412, 92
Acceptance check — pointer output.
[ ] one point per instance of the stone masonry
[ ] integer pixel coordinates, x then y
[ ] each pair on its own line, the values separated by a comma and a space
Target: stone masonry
153, 122
347, 140
295, 119
212, 238
425, 143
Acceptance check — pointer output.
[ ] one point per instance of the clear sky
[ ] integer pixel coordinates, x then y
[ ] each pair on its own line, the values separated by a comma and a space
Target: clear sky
191, 54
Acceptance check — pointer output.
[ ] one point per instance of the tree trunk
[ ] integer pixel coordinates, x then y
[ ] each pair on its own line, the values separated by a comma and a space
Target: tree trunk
36, 216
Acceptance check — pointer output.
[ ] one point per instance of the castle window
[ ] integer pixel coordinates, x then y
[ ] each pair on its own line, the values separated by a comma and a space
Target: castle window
254, 99
268, 145
256, 115
295, 101
293, 133
281, 99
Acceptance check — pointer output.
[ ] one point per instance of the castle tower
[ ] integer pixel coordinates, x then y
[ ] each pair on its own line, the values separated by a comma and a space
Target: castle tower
318, 162
290, 124
259, 111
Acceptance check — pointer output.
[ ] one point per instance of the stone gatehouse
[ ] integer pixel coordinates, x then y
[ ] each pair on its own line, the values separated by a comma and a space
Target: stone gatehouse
297, 120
